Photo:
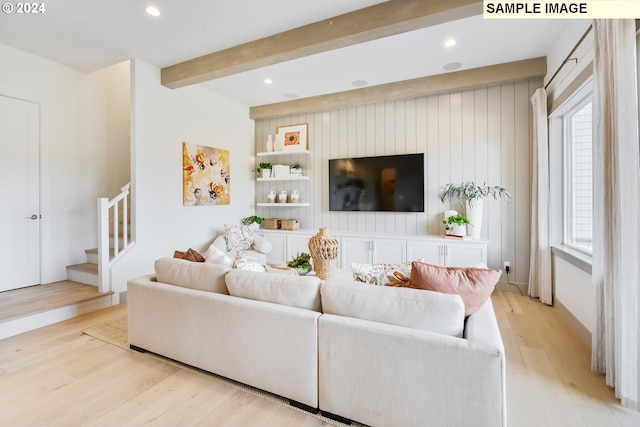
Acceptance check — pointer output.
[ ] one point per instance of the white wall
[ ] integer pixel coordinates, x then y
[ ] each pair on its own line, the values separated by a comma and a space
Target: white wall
481, 134
162, 119
85, 120
574, 291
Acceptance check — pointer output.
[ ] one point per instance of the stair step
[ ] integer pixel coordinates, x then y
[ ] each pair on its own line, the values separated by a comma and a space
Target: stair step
92, 255
86, 273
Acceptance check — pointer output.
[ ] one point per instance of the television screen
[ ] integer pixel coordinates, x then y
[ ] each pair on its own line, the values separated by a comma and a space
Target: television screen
377, 184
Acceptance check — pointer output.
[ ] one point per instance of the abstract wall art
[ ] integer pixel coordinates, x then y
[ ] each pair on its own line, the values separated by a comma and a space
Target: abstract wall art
206, 175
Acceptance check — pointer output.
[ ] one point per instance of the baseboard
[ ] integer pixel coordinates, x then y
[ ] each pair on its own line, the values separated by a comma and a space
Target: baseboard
576, 325
337, 418
522, 288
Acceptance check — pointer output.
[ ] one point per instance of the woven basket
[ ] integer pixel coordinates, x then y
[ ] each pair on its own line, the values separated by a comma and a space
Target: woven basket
271, 223
290, 224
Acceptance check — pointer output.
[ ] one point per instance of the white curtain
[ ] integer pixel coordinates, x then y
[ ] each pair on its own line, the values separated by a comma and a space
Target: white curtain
616, 194
540, 285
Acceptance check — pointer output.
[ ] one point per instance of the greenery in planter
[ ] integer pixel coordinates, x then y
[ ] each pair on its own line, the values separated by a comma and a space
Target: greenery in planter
263, 165
455, 219
251, 219
470, 191
302, 261
296, 165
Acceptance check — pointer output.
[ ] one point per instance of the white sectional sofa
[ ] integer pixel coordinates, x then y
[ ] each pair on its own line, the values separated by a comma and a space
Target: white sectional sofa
381, 356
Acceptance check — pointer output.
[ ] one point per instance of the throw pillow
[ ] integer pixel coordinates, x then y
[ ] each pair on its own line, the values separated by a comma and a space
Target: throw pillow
474, 285
281, 270
216, 256
238, 237
382, 274
189, 255
244, 261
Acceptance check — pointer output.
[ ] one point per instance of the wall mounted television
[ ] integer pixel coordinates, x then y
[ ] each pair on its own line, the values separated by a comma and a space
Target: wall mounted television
377, 184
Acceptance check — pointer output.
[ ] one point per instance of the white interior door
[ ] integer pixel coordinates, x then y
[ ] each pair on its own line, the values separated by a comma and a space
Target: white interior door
19, 193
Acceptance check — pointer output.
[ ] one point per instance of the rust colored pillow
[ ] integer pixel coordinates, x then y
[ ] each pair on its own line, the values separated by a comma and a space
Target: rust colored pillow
474, 285
190, 255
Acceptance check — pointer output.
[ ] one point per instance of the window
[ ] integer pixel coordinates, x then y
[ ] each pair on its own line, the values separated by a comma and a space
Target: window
578, 177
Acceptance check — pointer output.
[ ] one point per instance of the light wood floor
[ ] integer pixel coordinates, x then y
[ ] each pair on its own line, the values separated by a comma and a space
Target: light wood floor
56, 376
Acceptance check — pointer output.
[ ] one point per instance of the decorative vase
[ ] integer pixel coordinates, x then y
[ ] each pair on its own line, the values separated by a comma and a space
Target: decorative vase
278, 143
294, 197
474, 213
323, 248
266, 173
269, 146
282, 197
271, 197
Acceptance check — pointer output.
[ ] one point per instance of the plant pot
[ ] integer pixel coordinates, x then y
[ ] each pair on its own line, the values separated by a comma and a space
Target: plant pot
457, 230
266, 173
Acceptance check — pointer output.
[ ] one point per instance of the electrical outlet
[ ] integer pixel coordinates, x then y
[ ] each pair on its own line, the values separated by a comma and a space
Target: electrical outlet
507, 266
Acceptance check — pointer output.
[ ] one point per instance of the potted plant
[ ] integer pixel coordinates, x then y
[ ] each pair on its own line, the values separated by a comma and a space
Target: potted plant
301, 262
253, 220
264, 169
456, 225
295, 169
471, 196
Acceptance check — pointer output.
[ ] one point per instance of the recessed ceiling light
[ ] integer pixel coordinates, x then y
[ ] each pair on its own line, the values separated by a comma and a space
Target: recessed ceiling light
291, 95
152, 10
359, 83
452, 66
268, 81
450, 43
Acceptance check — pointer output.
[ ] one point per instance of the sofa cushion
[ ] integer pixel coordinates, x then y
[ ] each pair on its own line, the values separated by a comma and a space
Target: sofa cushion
413, 308
194, 275
474, 285
294, 291
381, 274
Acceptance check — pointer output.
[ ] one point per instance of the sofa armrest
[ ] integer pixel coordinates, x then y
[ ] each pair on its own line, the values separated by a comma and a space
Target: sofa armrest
481, 328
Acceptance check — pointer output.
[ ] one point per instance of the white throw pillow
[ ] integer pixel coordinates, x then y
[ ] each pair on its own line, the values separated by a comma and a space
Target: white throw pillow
216, 256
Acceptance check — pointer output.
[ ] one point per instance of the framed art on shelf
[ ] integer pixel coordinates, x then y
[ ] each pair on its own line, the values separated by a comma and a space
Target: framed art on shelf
295, 137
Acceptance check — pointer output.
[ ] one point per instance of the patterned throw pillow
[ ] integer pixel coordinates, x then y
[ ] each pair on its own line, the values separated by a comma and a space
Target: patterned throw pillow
382, 274
238, 237
243, 261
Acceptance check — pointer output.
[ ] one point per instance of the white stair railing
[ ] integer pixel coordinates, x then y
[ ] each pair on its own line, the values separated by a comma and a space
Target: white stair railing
110, 214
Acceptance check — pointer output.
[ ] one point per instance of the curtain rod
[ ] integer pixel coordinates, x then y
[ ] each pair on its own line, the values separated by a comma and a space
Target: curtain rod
569, 58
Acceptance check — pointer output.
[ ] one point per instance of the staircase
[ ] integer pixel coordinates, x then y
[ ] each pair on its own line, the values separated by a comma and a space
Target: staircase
89, 286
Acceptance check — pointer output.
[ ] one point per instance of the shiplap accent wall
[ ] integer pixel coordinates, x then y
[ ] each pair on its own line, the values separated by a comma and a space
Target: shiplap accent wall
481, 134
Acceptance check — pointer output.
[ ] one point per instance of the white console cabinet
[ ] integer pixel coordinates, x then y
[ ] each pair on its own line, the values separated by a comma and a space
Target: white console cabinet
381, 249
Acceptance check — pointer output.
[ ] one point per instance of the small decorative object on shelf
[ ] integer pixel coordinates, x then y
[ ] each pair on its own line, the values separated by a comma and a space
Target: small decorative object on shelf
301, 262
264, 169
282, 197
271, 197
295, 169
253, 220
294, 197
290, 224
269, 146
280, 171
278, 143
271, 223
324, 250
456, 226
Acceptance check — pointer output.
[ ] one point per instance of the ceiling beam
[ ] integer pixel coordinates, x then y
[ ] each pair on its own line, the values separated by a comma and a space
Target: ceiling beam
374, 22
423, 86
